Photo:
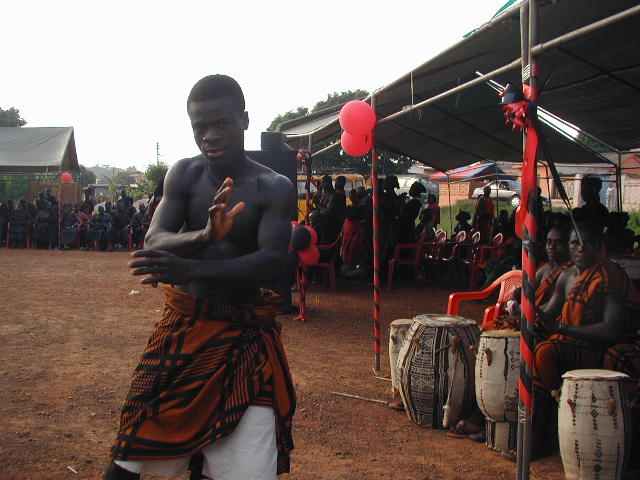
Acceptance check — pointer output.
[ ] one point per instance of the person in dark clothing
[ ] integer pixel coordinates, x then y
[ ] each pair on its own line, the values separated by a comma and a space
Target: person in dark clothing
120, 226
332, 205
592, 210
100, 229
407, 222
504, 225
139, 225
50, 198
463, 224
19, 228
432, 204
341, 195
45, 229
68, 228
618, 239
484, 206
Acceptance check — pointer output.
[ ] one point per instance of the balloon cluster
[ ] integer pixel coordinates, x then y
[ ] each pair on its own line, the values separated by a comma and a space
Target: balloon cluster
303, 249
66, 177
357, 119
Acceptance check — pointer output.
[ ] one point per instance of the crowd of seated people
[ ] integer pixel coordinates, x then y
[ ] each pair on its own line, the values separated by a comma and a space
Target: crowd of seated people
47, 224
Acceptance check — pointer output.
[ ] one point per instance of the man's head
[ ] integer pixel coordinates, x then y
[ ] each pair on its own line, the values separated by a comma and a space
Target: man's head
391, 183
487, 191
557, 245
431, 198
100, 209
107, 206
416, 190
48, 190
315, 219
589, 252
142, 208
353, 196
120, 206
123, 193
590, 189
504, 215
341, 181
326, 184
216, 109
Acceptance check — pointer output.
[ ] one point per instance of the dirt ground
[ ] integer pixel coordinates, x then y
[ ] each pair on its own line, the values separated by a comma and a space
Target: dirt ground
71, 335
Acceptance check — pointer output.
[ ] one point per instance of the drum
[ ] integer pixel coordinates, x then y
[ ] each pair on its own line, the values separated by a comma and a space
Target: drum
497, 374
435, 368
594, 425
502, 437
397, 332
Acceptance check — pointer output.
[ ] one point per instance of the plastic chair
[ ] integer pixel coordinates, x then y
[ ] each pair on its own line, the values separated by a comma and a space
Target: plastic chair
413, 256
479, 257
508, 282
332, 264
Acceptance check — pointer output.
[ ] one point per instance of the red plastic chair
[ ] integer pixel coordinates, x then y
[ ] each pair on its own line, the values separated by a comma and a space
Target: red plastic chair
332, 264
480, 255
508, 282
411, 254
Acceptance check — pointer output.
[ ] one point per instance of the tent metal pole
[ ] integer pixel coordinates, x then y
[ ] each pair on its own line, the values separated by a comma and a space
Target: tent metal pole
524, 417
450, 206
376, 247
619, 181
327, 148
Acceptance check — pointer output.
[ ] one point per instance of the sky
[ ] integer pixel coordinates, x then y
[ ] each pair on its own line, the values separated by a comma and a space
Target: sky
120, 72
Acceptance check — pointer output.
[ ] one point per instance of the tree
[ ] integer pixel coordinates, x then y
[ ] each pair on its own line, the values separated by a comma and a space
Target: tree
155, 173
591, 143
336, 159
86, 176
290, 115
11, 118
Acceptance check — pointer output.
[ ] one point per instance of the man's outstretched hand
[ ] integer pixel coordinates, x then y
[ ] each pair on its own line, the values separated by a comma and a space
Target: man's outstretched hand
161, 266
220, 221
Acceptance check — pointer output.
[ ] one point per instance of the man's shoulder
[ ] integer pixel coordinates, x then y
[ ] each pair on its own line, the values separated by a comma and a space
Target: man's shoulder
267, 176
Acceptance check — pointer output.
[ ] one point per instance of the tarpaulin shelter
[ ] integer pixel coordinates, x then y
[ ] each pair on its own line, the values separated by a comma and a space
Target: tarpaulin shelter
38, 149
583, 55
475, 170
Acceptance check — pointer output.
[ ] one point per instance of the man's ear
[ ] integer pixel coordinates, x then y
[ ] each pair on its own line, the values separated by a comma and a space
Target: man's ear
245, 120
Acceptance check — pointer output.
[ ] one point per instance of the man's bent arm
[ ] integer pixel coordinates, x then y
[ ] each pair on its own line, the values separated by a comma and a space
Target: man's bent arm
606, 332
274, 234
164, 230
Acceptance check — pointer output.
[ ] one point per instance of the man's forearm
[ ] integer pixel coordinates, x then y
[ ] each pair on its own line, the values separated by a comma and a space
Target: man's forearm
183, 244
256, 268
598, 334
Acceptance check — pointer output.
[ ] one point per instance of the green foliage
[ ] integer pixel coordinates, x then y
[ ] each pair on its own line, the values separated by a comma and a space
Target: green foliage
336, 98
591, 143
11, 118
86, 176
290, 115
155, 173
125, 177
634, 221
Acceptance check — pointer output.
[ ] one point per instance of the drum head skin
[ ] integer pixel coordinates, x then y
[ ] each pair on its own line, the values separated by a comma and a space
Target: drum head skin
442, 320
594, 374
402, 321
500, 333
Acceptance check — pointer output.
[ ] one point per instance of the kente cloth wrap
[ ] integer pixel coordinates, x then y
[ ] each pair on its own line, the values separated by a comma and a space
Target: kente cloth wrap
547, 287
585, 306
203, 366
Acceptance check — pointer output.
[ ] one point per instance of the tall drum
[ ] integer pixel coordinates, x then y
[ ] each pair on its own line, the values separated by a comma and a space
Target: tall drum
594, 425
497, 374
436, 369
397, 332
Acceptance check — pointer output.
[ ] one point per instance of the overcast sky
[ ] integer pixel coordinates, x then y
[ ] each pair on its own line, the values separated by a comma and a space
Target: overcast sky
120, 72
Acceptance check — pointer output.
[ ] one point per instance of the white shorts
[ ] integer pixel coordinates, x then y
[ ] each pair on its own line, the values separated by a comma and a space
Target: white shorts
248, 453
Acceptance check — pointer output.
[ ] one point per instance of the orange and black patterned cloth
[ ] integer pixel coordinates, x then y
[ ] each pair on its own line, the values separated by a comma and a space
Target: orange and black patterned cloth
585, 306
203, 366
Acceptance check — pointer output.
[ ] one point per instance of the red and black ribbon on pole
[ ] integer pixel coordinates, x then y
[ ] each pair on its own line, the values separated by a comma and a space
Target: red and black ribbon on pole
521, 110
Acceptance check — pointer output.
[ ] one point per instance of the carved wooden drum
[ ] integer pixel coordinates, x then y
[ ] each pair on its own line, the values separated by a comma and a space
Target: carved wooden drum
397, 332
436, 369
594, 425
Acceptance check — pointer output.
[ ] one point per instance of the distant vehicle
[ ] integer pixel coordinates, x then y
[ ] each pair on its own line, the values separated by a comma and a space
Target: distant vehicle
507, 190
354, 180
405, 182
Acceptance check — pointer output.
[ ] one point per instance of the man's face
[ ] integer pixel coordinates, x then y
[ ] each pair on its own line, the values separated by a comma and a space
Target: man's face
557, 246
587, 254
218, 129
100, 210
487, 191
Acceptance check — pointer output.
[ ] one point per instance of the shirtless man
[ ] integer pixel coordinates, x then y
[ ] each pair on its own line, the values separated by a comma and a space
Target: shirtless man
213, 378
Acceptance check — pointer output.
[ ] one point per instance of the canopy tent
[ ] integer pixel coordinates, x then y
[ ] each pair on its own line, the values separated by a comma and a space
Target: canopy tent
41, 149
452, 129
476, 170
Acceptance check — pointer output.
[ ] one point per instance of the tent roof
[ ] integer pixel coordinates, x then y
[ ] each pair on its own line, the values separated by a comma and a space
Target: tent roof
594, 83
479, 169
38, 149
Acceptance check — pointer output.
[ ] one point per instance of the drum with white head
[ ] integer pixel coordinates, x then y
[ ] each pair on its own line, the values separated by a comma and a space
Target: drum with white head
436, 369
594, 425
397, 331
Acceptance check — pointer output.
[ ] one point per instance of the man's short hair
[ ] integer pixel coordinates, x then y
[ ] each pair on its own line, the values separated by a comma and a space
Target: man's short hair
595, 229
215, 86
596, 182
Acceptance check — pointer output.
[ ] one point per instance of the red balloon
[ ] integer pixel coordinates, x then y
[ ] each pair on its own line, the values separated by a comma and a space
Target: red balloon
309, 256
357, 117
355, 145
66, 177
314, 235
